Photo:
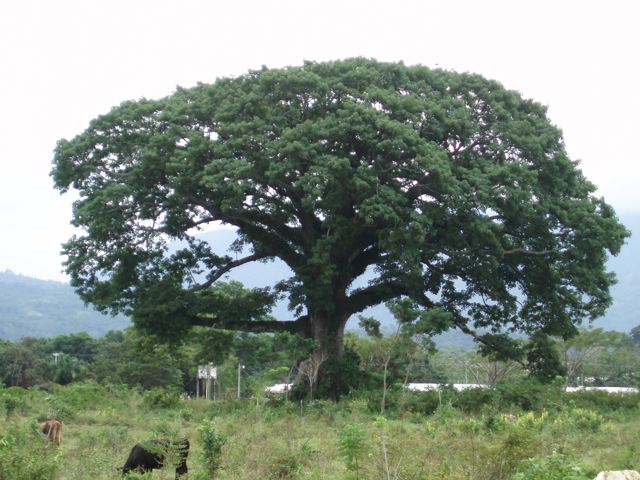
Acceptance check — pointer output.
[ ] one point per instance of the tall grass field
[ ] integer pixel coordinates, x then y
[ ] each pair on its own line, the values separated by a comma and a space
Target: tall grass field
435, 435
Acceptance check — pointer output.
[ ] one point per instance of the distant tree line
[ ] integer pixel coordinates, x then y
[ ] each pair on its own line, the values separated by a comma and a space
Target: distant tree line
372, 362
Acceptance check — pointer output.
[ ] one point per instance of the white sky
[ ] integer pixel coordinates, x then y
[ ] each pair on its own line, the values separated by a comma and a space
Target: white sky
65, 62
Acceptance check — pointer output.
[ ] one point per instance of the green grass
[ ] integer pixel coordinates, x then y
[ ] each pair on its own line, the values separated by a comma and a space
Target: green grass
273, 440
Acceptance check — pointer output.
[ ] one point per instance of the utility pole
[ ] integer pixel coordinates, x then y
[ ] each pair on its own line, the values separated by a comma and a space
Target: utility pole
240, 367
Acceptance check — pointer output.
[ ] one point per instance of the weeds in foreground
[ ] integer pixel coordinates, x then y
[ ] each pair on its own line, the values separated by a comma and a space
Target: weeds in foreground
353, 445
212, 443
279, 440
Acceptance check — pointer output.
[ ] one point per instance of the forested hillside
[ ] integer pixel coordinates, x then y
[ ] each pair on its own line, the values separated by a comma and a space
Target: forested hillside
624, 314
39, 308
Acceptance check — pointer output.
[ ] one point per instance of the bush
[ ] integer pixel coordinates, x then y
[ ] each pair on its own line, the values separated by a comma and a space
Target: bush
24, 456
59, 409
84, 395
531, 421
320, 408
527, 394
230, 407
518, 445
339, 376
473, 400
161, 398
16, 400
425, 403
290, 464
10, 405
580, 419
552, 467
352, 445
212, 443
604, 401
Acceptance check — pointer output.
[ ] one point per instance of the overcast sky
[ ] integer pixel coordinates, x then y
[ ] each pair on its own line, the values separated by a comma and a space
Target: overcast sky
65, 62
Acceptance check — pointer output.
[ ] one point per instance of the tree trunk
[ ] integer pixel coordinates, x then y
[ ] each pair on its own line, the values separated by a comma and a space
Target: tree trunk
328, 331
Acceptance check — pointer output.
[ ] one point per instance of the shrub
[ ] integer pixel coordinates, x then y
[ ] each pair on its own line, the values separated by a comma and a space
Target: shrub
113, 438
604, 401
552, 467
518, 445
16, 400
24, 456
470, 425
59, 409
339, 376
473, 400
445, 414
531, 421
352, 445
425, 403
161, 398
495, 422
527, 394
289, 465
212, 443
87, 395
321, 408
580, 419
185, 414
10, 405
230, 407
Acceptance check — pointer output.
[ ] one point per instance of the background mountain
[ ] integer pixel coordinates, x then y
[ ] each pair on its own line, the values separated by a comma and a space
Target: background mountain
624, 314
41, 308
33, 307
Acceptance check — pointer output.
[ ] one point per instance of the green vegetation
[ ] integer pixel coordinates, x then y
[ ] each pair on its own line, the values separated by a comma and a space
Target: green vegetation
526, 427
270, 438
212, 443
372, 367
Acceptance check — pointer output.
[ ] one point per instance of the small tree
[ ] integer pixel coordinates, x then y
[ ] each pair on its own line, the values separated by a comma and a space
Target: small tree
310, 371
487, 370
381, 352
212, 443
585, 348
24, 363
399, 345
543, 359
352, 445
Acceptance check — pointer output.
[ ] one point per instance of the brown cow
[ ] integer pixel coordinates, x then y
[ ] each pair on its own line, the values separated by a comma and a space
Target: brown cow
53, 430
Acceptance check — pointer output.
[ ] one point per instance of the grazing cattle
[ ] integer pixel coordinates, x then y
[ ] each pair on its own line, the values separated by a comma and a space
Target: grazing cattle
149, 455
53, 430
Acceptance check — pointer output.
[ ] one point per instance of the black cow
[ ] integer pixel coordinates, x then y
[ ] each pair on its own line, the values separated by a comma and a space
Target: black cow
149, 455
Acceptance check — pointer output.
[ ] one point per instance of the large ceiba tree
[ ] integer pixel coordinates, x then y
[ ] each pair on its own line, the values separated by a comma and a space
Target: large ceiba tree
443, 189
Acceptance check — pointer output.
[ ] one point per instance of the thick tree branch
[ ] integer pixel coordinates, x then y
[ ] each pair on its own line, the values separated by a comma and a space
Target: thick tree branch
300, 326
373, 295
361, 259
278, 243
226, 268
528, 252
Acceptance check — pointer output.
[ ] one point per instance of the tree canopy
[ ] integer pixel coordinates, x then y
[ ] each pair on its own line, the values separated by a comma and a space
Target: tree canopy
444, 188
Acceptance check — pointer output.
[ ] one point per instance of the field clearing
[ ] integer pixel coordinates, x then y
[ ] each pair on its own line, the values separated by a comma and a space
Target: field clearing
272, 439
